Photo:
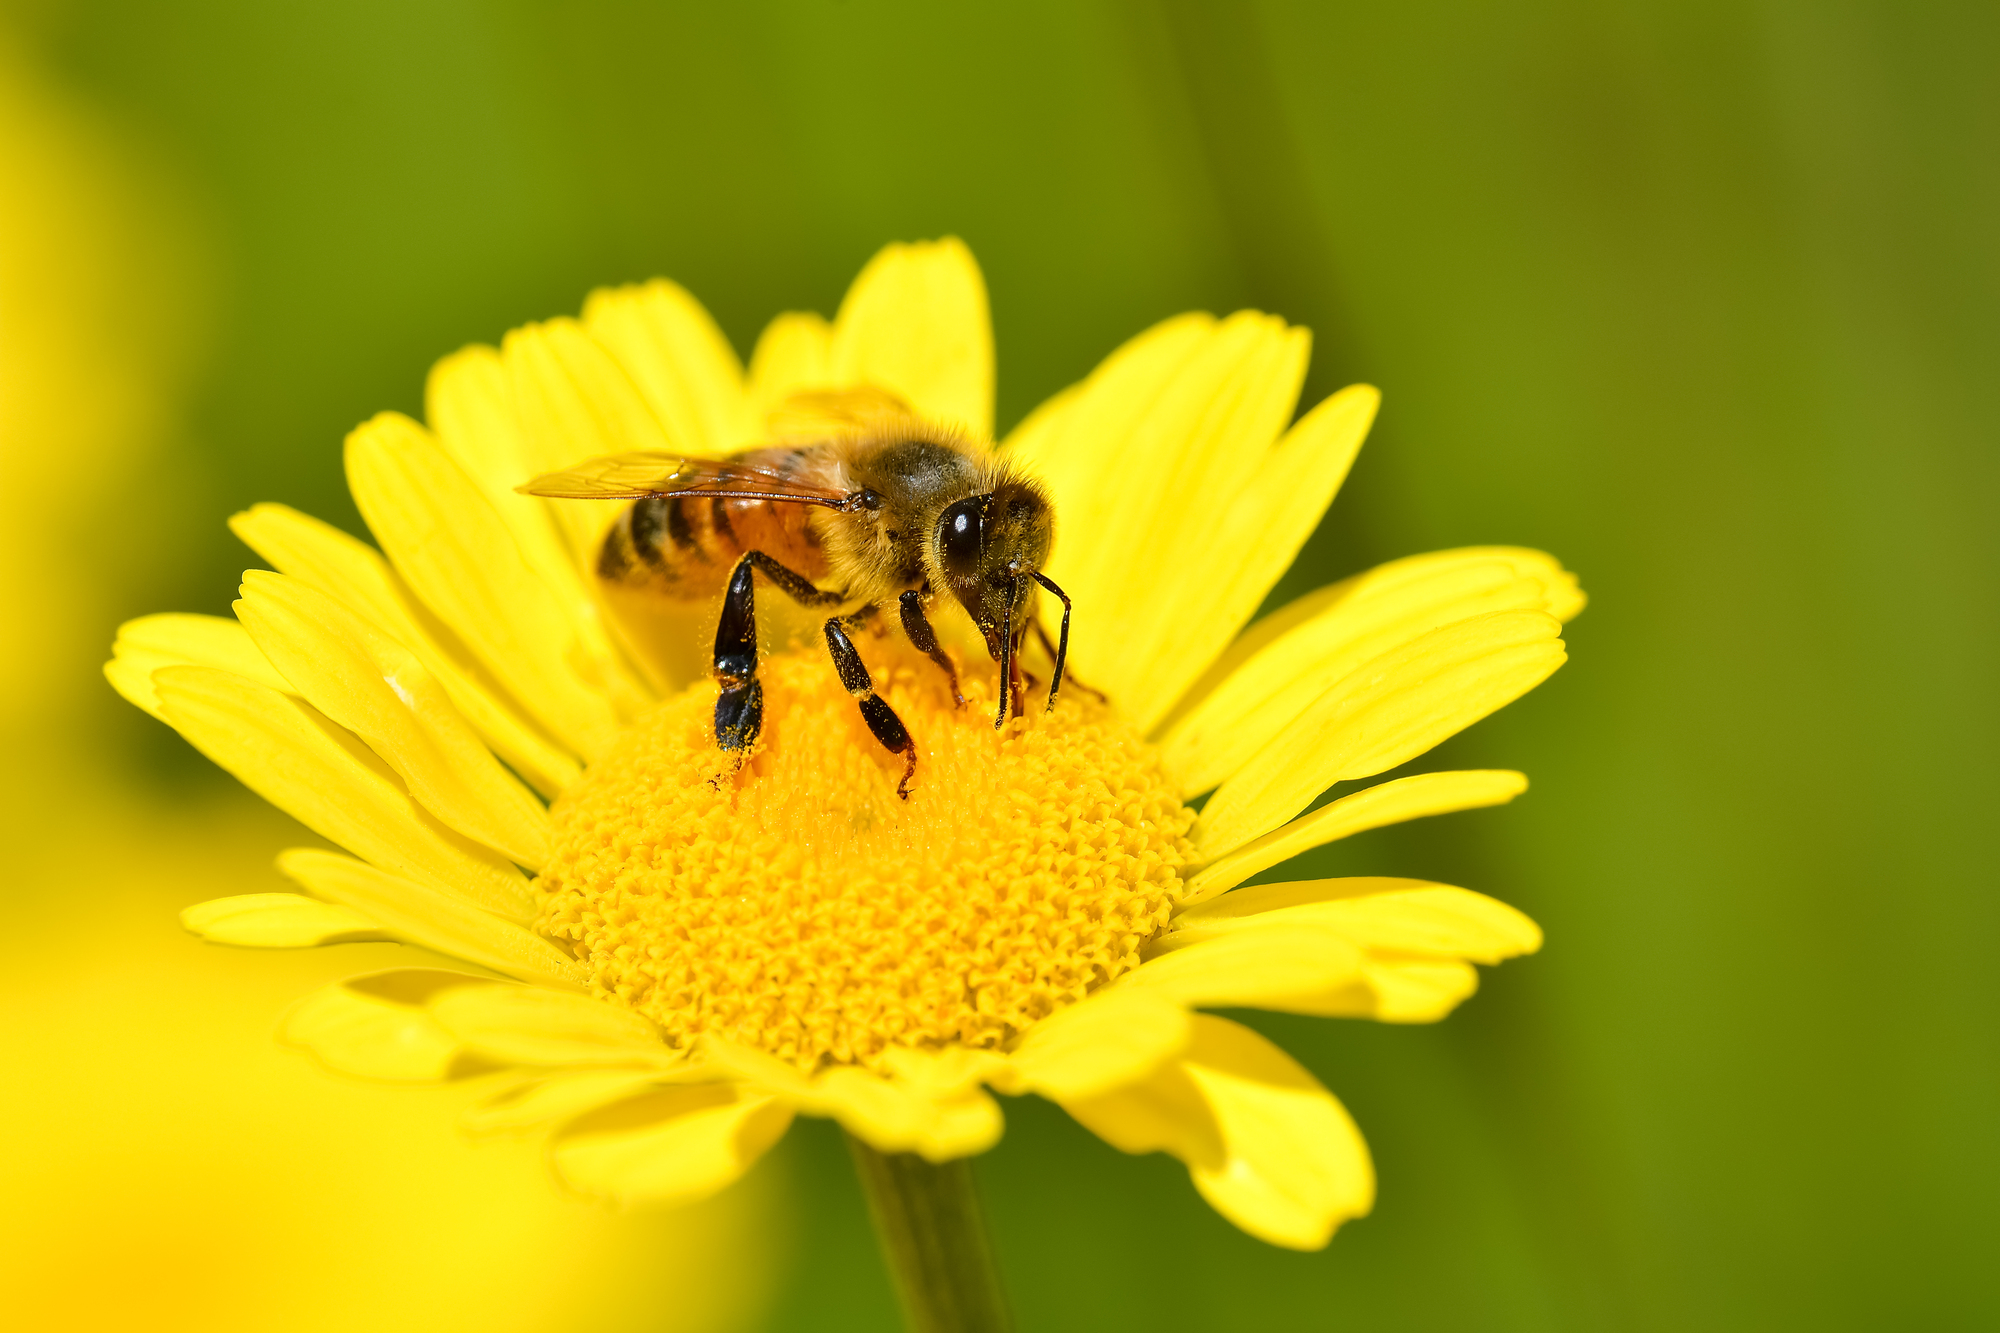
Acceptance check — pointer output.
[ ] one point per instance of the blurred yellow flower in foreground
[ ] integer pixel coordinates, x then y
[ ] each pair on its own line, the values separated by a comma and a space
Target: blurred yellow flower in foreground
175, 1169
168, 1167
708, 952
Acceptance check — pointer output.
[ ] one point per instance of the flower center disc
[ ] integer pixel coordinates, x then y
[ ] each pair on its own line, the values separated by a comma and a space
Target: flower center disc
800, 907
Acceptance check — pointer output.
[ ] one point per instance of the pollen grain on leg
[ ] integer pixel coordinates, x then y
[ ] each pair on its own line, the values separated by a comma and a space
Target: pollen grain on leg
800, 907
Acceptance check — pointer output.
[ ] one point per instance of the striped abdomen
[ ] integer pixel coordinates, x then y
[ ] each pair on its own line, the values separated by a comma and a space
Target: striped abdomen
683, 547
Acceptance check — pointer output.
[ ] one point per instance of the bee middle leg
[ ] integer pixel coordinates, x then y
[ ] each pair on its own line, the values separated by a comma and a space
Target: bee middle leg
875, 710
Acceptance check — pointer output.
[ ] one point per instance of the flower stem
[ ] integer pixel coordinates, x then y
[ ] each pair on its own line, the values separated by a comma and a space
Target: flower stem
934, 1239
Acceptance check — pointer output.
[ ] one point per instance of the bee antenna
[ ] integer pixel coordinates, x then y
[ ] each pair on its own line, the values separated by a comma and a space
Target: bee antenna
1006, 659
1062, 639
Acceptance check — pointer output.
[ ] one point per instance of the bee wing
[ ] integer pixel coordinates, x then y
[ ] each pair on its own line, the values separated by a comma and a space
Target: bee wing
635, 476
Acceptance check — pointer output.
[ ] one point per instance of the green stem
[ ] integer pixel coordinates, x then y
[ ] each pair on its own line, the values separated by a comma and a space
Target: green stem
934, 1239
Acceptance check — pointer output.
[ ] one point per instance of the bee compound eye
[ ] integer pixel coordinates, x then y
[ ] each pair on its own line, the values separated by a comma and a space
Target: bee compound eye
870, 500
960, 535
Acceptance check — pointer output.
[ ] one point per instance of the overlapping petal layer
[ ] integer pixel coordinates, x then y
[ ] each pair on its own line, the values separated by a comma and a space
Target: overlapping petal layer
1270, 1148
279, 921
1373, 807
418, 914
455, 552
377, 689
1399, 706
354, 573
1181, 505
145, 645
1278, 671
679, 361
323, 776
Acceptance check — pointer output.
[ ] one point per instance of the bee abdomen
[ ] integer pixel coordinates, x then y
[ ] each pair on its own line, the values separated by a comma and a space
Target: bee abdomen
683, 546
655, 522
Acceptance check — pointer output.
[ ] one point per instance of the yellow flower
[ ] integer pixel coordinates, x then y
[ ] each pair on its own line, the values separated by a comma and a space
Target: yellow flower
706, 951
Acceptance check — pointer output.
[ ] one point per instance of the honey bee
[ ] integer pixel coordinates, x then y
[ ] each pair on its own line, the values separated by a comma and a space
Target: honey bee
897, 512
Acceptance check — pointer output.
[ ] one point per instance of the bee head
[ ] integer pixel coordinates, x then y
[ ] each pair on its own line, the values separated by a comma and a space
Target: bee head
990, 548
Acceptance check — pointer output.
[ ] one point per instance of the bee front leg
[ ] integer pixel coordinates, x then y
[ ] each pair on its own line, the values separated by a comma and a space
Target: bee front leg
739, 706
918, 627
875, 710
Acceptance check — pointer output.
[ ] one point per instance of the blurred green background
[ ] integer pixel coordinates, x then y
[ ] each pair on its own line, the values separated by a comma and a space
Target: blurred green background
1702, 297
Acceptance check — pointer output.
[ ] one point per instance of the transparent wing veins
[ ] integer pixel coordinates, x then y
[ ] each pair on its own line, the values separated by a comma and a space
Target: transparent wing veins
639, 475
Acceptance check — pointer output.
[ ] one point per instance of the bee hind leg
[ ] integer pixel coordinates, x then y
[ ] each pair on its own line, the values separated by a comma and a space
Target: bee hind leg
875, 710
739, 704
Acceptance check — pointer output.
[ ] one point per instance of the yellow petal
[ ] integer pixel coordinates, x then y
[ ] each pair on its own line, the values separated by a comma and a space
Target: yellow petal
455, 553
1415, 939
947, 1072
1375, 807
1084, 438
1270, 967
290, 754
1165, 1113
1167, 434
575, 402
151, 642
931, 1106
672, 1146
1266, 1145
756, 1069
678, 359
1254, 541
895, 1116
375, 1026
1296, 1165
1110, 1039
417, 914
1413, 990
793, 355
915, 322
961, 1126
1338, 630
470, 406
888, 1116
1399, 916
1396, 990
333, 562
1049, 418
1248, 903
278, 921
533, 1025
1387, 712
535, 1103
376, 688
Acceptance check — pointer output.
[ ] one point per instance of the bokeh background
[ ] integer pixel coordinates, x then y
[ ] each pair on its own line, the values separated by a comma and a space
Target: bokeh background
1702, 296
